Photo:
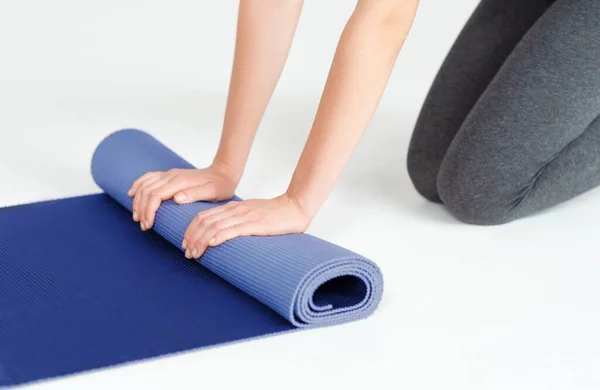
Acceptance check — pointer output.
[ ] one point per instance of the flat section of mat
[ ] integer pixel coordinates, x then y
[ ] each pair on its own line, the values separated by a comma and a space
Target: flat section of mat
81, 287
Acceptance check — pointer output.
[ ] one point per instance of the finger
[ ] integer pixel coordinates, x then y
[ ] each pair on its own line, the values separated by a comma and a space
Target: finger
218, 209
136, 200
146, 192
206, 238
200, 224
136, 184
157, 196
206, 191
248, 228
204, 219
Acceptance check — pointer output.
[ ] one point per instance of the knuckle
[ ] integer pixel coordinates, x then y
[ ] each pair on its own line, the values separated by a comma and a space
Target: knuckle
241, 208
174, 172
253, 214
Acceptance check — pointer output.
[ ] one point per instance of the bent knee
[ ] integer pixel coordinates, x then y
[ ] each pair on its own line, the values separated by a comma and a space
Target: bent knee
423, 175
473, 202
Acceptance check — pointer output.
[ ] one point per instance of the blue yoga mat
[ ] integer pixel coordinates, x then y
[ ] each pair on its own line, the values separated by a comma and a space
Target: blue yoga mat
82, 287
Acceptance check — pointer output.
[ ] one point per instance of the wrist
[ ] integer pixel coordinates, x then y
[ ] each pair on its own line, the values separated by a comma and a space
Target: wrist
232, 171
304, 202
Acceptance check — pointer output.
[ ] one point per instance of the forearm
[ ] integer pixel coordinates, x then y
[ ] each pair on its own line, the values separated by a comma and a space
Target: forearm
264, 34
360, 71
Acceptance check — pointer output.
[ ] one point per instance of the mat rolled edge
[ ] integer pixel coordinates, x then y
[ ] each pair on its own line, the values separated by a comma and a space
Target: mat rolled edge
309, 281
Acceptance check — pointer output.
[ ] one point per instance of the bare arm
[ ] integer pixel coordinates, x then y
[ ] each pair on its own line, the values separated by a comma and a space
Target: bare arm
264, 35
361, 68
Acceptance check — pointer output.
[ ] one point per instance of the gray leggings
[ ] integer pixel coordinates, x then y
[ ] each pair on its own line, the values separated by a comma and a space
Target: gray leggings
511, 124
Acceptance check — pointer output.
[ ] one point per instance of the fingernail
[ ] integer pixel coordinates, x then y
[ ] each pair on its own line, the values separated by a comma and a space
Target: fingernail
184, 244
195, 253
212, 241
142, 226
188, 255
129, 192
135, 216
180, 197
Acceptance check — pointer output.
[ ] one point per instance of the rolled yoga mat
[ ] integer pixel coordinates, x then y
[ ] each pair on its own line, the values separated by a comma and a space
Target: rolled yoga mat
82, 287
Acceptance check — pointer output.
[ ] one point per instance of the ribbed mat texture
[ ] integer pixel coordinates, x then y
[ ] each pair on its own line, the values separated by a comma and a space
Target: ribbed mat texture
81, 287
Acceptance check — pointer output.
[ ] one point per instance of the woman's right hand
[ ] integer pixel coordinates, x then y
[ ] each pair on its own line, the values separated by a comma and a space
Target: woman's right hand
215, 183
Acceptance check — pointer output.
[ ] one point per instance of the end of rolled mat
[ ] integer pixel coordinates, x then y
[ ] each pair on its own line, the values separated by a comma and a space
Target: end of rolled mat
122, 133
127, 133
126, 154
126, 130
339, 291
111, 138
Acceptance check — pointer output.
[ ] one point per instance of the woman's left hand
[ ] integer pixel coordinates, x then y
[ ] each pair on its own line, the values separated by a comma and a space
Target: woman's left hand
255, 217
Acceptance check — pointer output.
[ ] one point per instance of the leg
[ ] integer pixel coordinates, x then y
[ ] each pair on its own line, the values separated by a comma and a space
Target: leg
487, 39
532, 140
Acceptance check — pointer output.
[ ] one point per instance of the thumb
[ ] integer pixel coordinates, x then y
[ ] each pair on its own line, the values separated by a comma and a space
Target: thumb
195, 194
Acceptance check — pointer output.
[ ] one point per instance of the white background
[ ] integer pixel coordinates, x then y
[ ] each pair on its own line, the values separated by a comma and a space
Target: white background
509, 307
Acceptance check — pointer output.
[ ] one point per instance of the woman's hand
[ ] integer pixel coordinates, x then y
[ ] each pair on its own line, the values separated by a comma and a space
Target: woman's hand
214, 184
256, 217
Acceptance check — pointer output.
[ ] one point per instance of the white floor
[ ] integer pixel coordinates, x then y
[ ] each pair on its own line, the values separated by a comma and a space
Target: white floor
511, 307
